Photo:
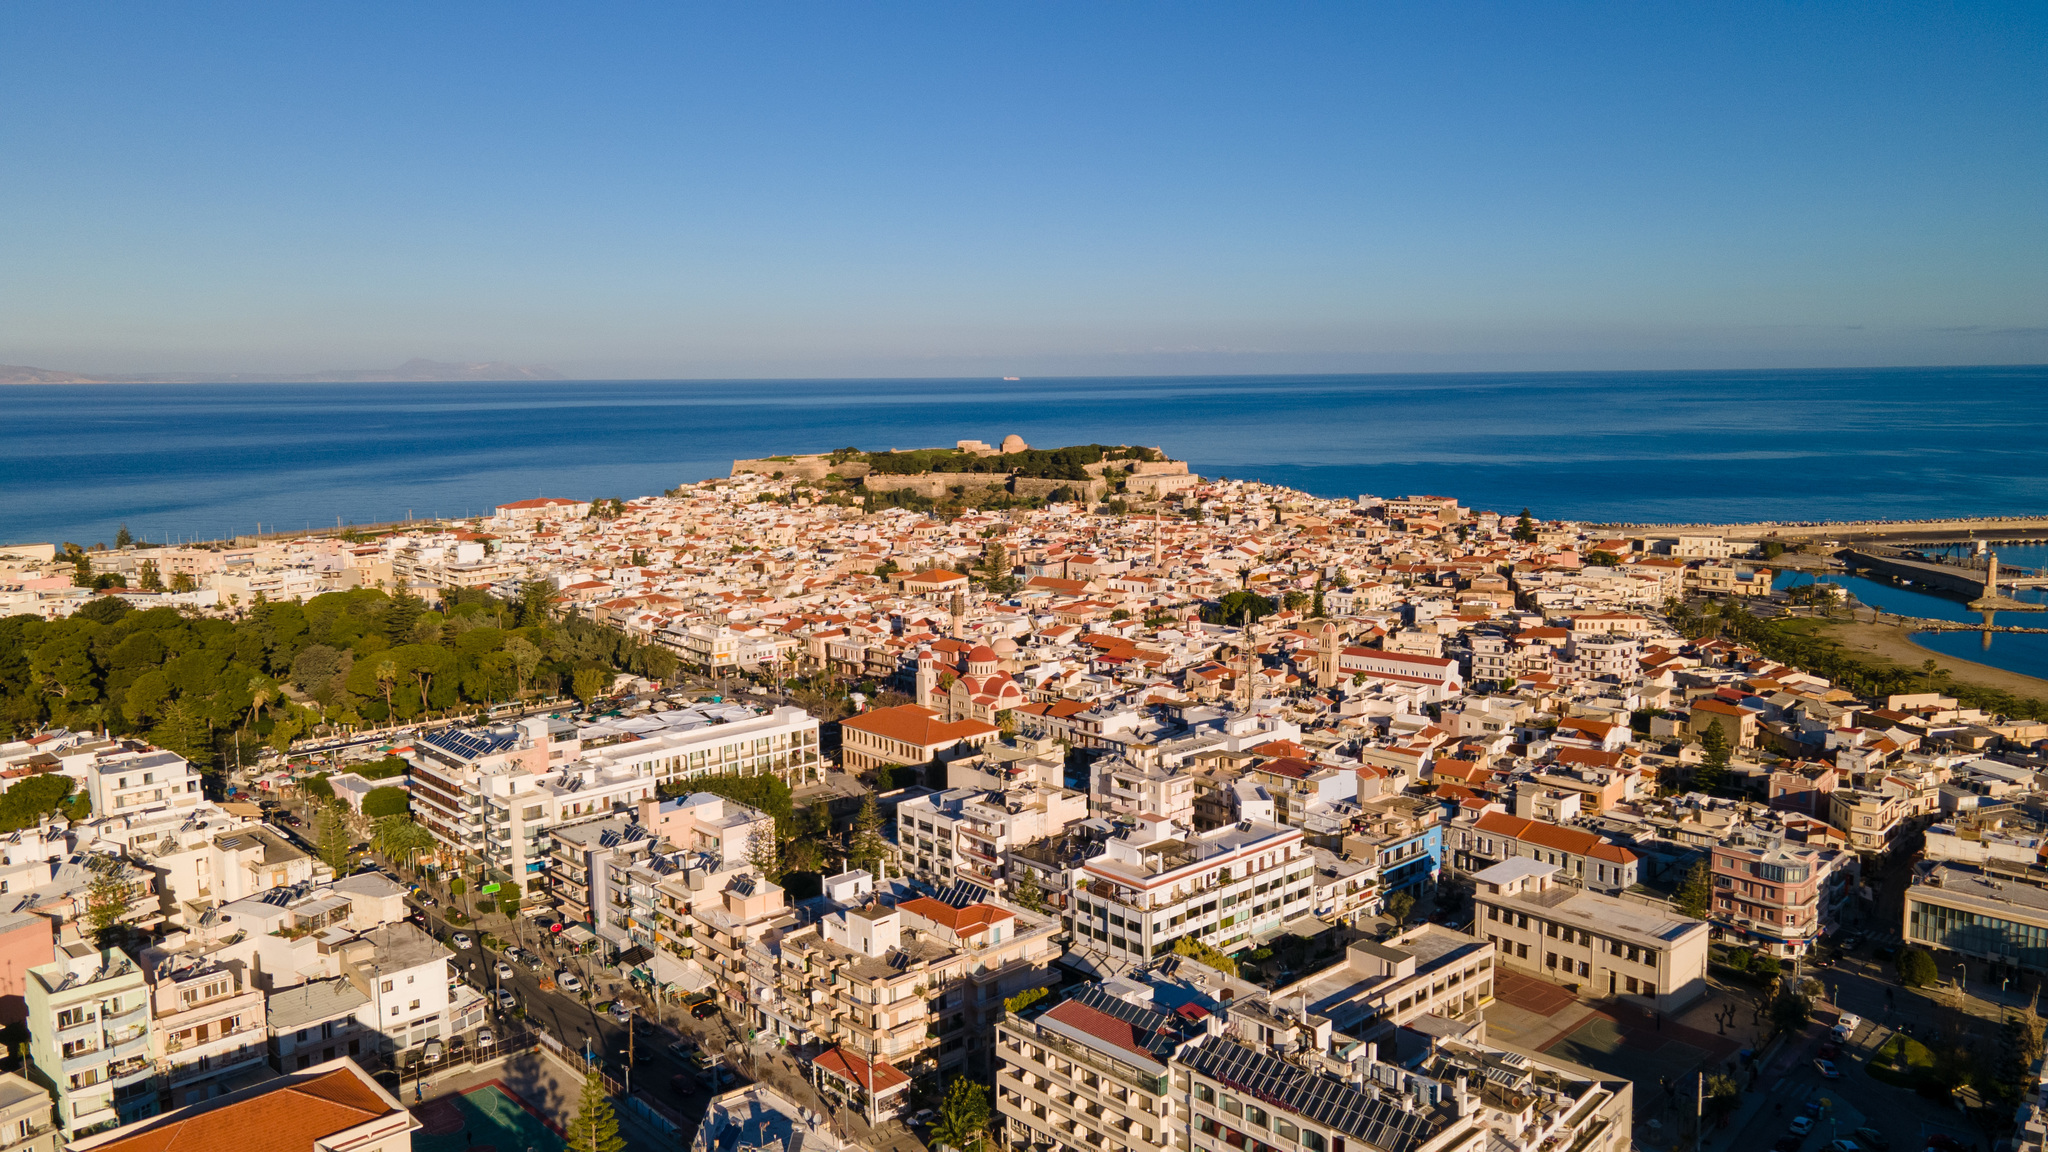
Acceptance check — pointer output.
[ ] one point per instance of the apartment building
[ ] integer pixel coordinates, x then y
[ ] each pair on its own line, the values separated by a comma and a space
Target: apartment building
28, 1118
578, 856
1873, 819
1583, 858
1152, 885
207, 1023
447, 762
917, 988
316, 1022
1428, 970
783, 743
1297, 785
1780, 897
1608, 946
966, 834
403, 975
906, 734
708, 827
90, 1040
1090, 1071
134, 777
1121, 787
733, 932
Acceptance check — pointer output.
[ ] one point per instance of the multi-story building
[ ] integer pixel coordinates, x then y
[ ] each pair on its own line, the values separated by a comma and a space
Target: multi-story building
1780, 897
1152, 886
28, 1118
916, 988
328, 1106
89, 1038
1609, 946
1158, 1061
1122, 787
1873, 819
1972, 912
782, 743
907, 734
446, 763
317, 1021
1381, 985
708, 827
403, 975
965, 834
1404, 835
134, 777
207, 1023
1092, 1070
579, 854
1583, 858
733, 934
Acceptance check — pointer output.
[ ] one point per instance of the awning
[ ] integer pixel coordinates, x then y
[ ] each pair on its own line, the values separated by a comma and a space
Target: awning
635, 956
578, 934
844, 1065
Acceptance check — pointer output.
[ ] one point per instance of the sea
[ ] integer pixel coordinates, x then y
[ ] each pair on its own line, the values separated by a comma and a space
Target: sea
207, 461
2022, 652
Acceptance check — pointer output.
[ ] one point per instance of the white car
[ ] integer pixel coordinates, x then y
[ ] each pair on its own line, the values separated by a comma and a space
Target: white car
1847, 1024
460, 940
1801, 1125
484, 1038
505, 999
504, 970
568, 981
620, 1012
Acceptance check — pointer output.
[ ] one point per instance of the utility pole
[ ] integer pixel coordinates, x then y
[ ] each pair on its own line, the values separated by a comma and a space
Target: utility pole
1699, 1107
629, 1049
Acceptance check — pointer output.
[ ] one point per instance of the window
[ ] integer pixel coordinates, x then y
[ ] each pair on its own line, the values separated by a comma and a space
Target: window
387, 985
1205, 1094
1287, 1131
1233, 1106
1313, 1141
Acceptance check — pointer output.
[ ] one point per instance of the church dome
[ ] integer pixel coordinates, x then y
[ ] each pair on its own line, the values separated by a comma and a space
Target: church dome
1004, 647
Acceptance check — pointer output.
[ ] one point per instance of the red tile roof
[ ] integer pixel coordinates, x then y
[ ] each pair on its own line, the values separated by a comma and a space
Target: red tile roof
879, 1079
291, 1118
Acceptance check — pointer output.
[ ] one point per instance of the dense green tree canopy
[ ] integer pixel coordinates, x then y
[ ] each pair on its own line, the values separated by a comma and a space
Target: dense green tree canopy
355, 657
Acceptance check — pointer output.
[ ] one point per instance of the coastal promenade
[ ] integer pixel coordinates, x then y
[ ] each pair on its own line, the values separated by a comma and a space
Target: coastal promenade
1992, 529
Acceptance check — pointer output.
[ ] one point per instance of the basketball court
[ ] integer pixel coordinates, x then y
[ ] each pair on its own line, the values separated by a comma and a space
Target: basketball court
487, 1118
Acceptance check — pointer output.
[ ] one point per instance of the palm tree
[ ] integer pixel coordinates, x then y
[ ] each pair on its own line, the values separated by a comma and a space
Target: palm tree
400, 838
261, 692
387, 679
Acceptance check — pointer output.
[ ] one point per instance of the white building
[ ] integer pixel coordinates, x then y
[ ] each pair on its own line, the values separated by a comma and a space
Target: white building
783, 742
1152, 886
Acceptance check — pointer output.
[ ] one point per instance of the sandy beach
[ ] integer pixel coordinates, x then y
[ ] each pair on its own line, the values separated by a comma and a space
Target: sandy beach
1892, 642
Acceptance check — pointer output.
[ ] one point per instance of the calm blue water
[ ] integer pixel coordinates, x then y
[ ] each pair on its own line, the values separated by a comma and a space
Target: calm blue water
215, 460
2022, 652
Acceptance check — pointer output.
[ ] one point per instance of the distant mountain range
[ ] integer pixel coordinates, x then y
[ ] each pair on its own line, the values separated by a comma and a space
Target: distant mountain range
412, 371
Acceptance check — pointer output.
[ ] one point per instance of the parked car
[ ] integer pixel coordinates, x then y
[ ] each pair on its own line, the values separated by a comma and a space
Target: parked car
504, 970
682, 1049
568, 981
485, 1038
1827, 1068
1873, 1138
1801, 1125
620, 1011
460, 940
682, 1083
1845, 1146
1829, 1050
506, 1000
922, 1117
1847, 1025
704, 1010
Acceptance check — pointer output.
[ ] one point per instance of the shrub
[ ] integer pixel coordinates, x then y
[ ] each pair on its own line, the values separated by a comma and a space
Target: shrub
1026, 999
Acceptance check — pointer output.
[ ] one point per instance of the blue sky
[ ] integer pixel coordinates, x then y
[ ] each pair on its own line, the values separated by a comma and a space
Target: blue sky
876, 189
